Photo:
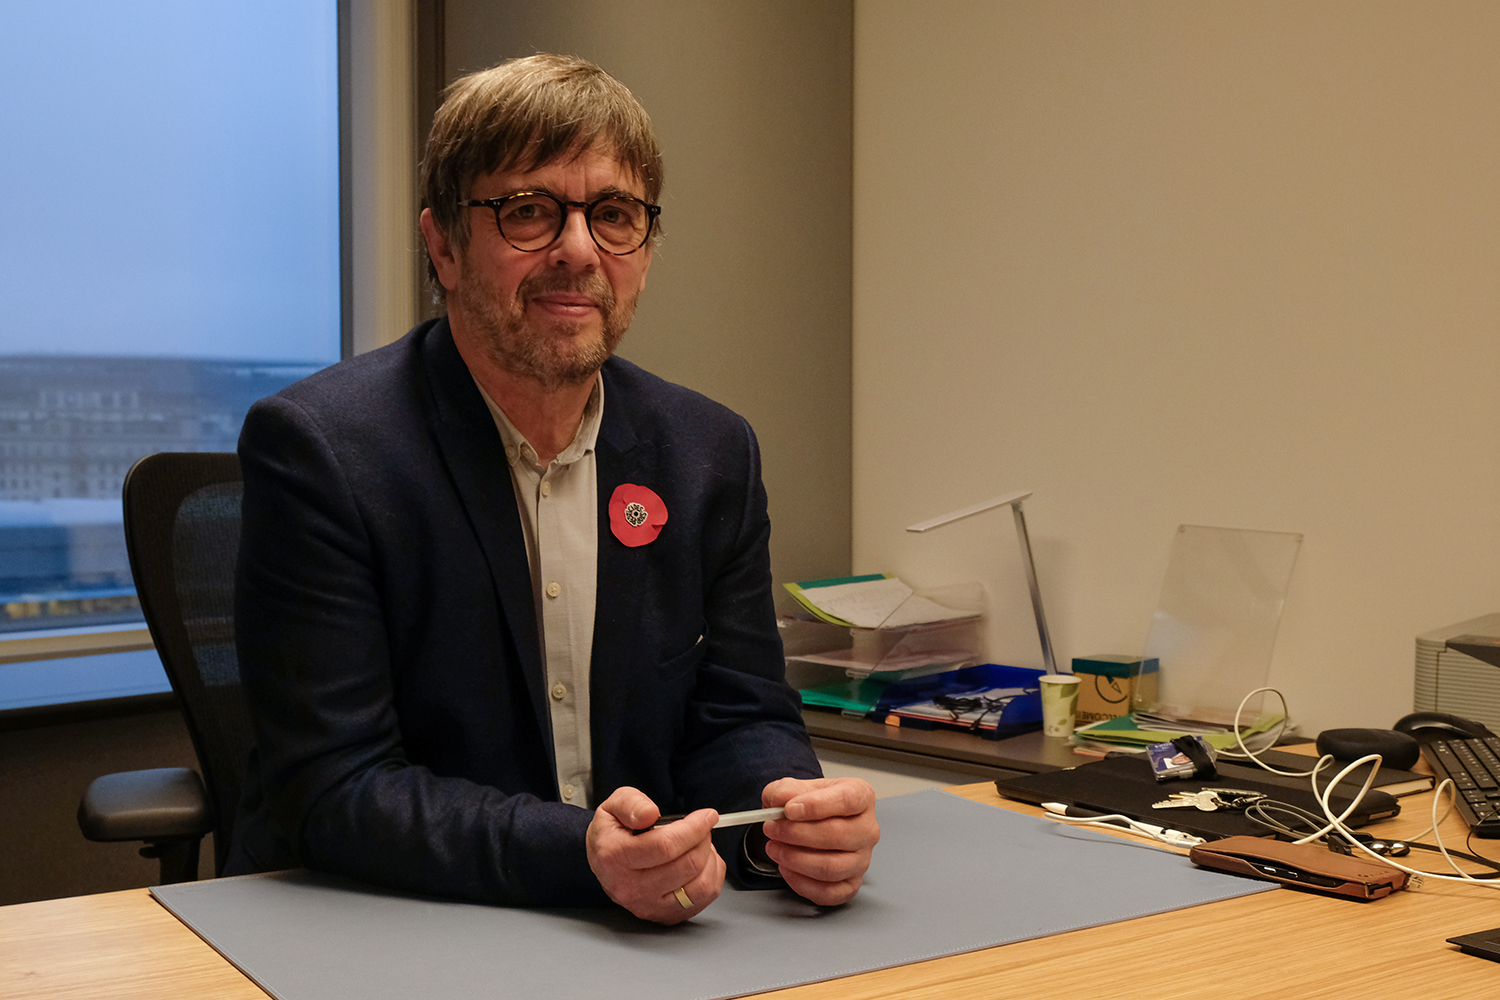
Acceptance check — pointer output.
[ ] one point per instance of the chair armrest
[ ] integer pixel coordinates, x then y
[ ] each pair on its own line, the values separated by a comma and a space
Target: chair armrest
161, 803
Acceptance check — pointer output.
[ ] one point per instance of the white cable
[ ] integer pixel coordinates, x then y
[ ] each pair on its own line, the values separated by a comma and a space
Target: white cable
1437, 796
1337, 822
1125, 824
1322, 762
1239, 737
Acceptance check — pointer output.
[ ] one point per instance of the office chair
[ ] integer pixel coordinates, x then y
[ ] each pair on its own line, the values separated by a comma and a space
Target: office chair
182, 531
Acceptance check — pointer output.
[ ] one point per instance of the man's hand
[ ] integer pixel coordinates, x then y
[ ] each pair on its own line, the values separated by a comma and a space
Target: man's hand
644, 873
823, 844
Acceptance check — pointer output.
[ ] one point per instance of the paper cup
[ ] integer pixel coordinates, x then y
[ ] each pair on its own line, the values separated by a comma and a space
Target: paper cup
1059, 702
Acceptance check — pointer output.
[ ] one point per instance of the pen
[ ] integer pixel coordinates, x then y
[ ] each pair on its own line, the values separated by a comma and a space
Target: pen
727, 819
1079, 812
1084, 812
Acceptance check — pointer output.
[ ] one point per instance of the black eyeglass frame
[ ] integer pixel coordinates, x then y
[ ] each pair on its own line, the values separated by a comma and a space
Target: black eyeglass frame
587, 207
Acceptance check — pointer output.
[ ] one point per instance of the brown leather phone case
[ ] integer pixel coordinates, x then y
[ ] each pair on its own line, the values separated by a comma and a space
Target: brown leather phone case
1301, 866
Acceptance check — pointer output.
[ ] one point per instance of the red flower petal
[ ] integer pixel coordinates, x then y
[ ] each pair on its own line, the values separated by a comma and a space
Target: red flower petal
636, 514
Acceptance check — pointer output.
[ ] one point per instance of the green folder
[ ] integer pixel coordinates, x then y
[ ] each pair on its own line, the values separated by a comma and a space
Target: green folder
1123, 730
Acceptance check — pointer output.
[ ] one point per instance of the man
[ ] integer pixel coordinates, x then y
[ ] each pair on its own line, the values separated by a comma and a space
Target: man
505, 599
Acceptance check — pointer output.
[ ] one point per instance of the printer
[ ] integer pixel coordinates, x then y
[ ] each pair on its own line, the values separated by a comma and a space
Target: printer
1458, 671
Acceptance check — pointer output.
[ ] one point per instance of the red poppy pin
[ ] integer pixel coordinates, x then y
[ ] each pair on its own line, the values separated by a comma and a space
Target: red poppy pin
636, 514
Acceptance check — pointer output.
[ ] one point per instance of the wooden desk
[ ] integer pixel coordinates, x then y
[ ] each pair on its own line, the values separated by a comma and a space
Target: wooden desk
1271, 945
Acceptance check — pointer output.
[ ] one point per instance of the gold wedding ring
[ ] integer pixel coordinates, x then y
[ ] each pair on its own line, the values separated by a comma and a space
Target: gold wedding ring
682, 897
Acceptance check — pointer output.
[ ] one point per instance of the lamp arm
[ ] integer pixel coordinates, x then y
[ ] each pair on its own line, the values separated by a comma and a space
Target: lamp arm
1042, 632
1014, 500
970, 511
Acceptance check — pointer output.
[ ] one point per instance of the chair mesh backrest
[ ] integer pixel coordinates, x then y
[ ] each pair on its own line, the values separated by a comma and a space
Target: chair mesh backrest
182, 529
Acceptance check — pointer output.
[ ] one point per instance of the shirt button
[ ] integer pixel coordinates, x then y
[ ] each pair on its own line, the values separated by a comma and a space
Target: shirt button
546, 489
510, 453
568, 791
554, 588
559, 692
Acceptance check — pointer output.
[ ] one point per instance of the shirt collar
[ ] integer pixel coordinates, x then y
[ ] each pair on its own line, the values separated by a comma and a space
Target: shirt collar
518, 449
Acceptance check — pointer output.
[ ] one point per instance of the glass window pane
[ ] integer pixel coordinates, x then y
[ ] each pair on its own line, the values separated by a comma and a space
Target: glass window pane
169, 253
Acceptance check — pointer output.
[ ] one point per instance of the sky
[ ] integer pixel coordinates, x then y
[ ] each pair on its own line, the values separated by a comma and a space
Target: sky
169, 179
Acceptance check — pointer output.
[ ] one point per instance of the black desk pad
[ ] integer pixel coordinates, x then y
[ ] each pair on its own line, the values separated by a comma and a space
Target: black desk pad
1126, 785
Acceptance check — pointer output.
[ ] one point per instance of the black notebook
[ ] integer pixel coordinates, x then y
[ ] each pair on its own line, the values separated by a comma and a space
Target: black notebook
1127, 785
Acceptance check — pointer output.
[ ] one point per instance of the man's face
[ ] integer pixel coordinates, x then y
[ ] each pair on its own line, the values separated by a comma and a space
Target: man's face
553, 315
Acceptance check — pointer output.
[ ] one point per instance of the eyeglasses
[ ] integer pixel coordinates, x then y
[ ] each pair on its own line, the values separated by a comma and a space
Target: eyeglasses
531, 220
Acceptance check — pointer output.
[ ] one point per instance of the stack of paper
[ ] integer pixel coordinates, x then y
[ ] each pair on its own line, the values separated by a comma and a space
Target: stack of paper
877, 600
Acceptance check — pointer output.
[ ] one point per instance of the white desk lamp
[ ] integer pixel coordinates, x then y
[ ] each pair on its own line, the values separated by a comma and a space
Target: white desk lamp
1014, 500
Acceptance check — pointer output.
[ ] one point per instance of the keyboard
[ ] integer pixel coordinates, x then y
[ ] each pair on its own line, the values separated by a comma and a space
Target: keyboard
1474, 766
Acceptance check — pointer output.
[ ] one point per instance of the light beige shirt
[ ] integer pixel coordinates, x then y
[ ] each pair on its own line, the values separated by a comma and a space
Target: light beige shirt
559, 517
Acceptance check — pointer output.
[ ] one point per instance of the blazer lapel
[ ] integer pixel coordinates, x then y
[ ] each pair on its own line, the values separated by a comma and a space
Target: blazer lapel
470, 448
621, 457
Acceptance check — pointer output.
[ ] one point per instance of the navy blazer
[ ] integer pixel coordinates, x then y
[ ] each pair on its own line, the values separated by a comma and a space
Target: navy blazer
387, 635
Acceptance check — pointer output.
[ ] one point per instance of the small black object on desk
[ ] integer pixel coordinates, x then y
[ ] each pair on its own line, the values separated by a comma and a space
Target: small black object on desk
1484, 944
1398, 750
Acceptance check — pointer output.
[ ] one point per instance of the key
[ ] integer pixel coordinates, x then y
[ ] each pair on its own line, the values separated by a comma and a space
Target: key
1205, 800
1236, 798
1185, 800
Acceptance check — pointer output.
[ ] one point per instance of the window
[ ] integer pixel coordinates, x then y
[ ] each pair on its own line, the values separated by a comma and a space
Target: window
169, 253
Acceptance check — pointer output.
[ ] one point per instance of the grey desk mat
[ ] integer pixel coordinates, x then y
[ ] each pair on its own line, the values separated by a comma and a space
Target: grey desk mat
949, 876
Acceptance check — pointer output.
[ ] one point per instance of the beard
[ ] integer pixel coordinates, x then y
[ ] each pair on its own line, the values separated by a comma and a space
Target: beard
554, 353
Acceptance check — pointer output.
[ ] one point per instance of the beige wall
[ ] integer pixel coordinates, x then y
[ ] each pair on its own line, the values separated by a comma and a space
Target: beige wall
1171, 262
749, 296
